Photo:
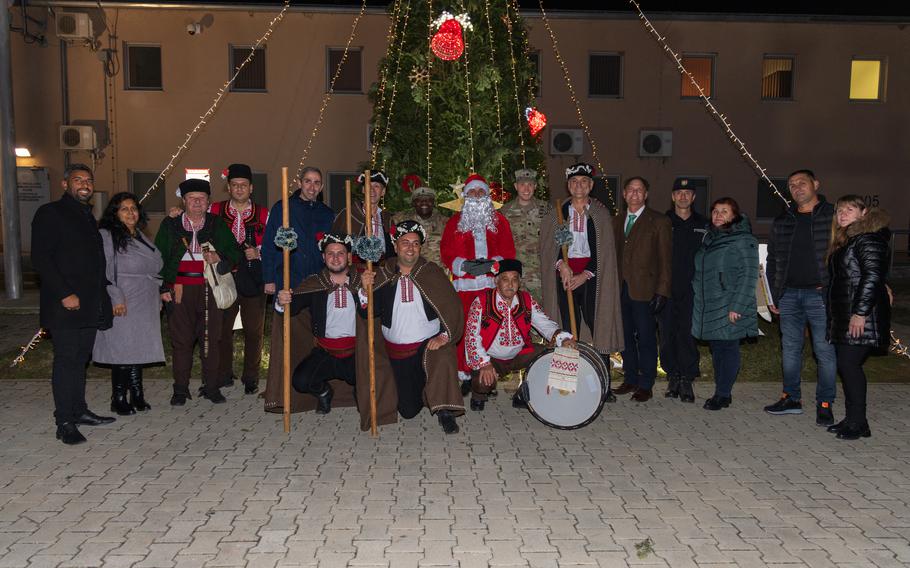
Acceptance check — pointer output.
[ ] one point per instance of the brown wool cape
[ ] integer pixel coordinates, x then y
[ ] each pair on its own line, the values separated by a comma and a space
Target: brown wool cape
442, 391
607, 332
302, 343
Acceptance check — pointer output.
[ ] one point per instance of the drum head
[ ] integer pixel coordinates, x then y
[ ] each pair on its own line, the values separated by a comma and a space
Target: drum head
566, 411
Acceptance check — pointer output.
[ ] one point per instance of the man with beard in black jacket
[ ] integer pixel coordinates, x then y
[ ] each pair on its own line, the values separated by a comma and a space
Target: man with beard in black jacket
678, 351
68, 255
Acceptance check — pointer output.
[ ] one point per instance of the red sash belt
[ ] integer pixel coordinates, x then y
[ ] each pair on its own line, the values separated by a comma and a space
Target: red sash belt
186, 268
337, 347
402, 350
578, 265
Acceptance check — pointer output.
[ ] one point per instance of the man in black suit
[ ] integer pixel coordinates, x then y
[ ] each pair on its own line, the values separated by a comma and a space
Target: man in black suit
69, 257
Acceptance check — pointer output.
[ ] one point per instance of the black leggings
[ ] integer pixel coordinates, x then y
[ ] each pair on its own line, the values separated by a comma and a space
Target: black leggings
850, 359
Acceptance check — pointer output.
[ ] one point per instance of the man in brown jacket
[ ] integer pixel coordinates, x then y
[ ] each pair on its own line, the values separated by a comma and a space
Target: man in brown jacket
644, 249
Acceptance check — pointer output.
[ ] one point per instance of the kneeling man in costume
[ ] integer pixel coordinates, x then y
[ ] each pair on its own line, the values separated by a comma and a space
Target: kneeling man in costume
498, 333
333, 317
422, 320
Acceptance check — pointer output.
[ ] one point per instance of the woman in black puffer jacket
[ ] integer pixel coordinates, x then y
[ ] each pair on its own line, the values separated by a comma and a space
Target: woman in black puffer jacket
859, 311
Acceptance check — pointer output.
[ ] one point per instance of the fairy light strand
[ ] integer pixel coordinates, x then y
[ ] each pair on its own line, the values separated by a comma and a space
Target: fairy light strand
572, 95
392, 37
395, 77
263, 39
328, 96
467, 93
502, 172
709, 106
899, 348
430, 59
518, 110
32, 344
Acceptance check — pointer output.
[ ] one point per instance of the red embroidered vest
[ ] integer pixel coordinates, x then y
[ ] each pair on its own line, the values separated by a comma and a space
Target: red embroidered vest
492, 320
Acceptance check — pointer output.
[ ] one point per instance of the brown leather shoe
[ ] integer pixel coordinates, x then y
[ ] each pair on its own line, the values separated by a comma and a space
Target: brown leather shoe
625, 388
642, 395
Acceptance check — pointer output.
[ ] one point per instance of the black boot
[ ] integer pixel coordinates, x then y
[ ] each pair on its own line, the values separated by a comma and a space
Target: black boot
324, 401
137, 393
447, 421
180, 395
672, 387
686, 394
119, 404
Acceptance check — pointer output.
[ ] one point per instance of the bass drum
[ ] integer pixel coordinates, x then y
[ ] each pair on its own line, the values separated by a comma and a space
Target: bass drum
573, 410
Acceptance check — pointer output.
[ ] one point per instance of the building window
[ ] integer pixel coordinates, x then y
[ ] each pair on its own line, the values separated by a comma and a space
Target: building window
252, 77
607, 193
143, 67
702, 69
336, 198
768, 205
605, 75
260, 183
777, 78
140, 182
349, 80
534, 56
867, 80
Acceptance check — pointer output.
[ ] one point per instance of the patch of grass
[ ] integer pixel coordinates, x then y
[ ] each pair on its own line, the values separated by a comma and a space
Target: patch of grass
900, 312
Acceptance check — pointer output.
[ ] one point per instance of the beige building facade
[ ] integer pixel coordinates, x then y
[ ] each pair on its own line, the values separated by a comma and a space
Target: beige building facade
854, 146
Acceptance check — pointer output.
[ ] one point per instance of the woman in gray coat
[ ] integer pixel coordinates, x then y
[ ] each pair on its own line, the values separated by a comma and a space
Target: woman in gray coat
133, 264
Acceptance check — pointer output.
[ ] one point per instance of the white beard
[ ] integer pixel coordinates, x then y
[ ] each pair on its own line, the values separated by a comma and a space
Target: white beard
477, 215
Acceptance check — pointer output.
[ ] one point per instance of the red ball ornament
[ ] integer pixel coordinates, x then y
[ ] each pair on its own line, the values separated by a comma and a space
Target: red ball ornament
536, 120
448, 42
411, 182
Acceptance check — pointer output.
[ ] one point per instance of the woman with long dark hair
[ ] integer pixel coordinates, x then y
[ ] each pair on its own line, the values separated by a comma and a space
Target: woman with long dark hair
726, 270
859, 312
133, 264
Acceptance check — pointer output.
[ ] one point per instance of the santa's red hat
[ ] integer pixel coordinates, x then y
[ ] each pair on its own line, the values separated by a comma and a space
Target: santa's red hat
476, 181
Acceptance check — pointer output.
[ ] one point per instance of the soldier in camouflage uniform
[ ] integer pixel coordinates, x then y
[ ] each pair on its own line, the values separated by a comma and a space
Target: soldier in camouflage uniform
425, 212
524, 213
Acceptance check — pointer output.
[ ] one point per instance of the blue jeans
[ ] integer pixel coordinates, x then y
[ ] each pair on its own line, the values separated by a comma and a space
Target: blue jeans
799, 306
725, 355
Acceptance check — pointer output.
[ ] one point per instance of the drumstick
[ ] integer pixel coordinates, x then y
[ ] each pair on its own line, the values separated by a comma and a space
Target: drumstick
573, 327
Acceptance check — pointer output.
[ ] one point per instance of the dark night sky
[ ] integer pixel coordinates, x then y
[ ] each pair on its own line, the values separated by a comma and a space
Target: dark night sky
887, 8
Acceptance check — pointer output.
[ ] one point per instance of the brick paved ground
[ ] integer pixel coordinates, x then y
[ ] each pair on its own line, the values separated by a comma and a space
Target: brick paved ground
222, 486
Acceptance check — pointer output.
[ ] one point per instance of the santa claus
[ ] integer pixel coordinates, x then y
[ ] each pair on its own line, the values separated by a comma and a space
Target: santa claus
473, 242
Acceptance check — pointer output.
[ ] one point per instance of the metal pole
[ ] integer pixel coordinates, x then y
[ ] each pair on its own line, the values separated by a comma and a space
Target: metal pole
12, 240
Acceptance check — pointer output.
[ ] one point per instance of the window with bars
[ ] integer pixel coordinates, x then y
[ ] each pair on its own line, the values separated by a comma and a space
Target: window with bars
605, 75
336, 198
350, 78
143, 67
777, 78
252, 77
768, 205
867, 79
606, 190
702, 69
140, 181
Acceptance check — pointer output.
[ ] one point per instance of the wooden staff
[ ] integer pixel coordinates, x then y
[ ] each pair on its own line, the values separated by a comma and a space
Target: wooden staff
347, 215
565, 259
368, 231
286, 269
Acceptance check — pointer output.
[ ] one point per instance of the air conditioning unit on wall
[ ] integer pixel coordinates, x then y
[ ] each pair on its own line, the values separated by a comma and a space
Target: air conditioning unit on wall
77, 137
567, 142
655, 143
74, 25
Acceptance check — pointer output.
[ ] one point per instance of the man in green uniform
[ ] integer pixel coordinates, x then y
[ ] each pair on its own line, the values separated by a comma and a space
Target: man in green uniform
524, 213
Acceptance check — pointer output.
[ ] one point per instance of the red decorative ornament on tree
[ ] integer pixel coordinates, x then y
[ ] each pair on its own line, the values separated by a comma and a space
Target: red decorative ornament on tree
498, 193
448, 42
536, 120
411, 182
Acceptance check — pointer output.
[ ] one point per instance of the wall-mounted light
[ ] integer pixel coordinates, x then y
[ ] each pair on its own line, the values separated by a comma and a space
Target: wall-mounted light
23, 153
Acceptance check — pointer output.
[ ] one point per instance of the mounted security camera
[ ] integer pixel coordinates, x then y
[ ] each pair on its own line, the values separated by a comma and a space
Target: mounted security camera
194, 28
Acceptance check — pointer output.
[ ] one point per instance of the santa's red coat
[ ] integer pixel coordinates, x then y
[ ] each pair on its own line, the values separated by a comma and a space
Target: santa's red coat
456, 245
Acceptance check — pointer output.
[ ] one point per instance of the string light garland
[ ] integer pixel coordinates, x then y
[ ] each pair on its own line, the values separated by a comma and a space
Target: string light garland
899, 348
391, 36
521, 136
263, 39
429, 105
33, 343
502, 171
709, 106
574, 97
388, 120
467, 93
328, 96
